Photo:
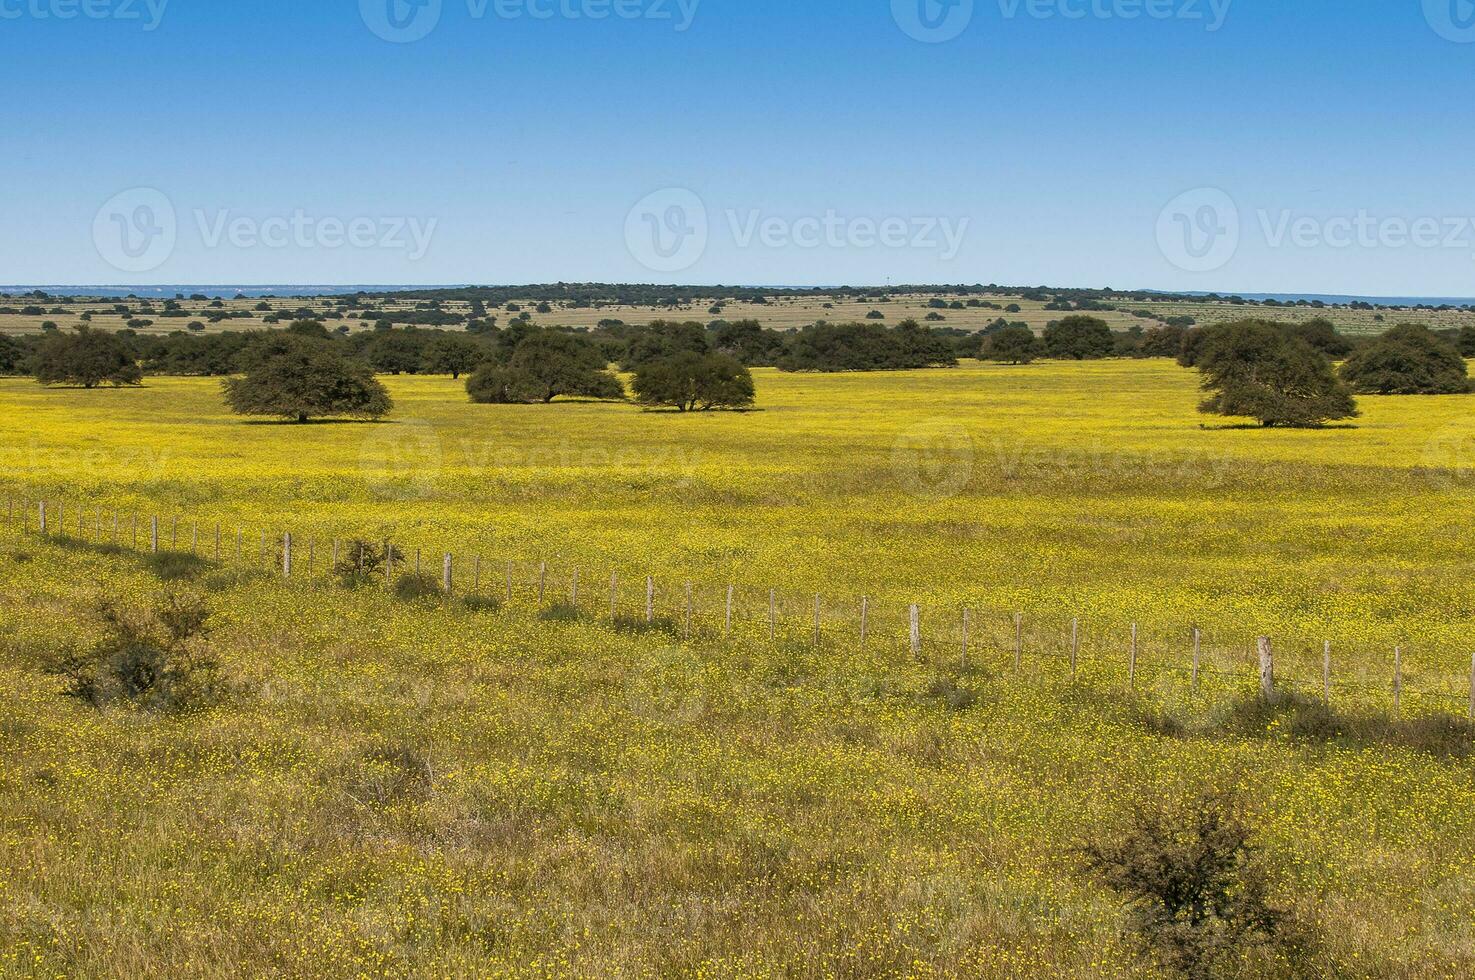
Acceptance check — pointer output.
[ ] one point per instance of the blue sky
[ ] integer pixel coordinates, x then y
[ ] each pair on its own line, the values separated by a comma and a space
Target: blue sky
1298, 147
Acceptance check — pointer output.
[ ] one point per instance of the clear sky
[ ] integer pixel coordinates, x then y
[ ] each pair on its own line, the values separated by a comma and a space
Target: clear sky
1234, 145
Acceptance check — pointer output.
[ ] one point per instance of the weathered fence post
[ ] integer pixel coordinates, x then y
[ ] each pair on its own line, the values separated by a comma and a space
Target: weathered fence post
388, 564
865, 619
1132, 662
915, 616
1018, 640
194, 539
1197, 645
217, 543
154, 535
542, 581
1472, 687
1075, 645
286, 554
476, 574
1398, 680
509, 581
686, 628
727, 616
43, 516
1326, 672
963, 661
1267, 669
650, 599
614, 595
816, 618
573, 589
446, 581
772, 616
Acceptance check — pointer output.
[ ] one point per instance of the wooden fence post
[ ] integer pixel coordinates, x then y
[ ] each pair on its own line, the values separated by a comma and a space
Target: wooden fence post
154, 535
772, 616
417, 562
1326, 672
446, 582
614, 583
217, 543
1472, 687
963, 661
542, 582
1018, 639
650, 599
43, 517
194, 539
1075, 645
286, 554
1267, 669
573, 589
1197, 646
476, 574
816, 618
388, 564
915, 616
727, 617
1398, 680
1132, 663
686, 628
509, 581
865, 619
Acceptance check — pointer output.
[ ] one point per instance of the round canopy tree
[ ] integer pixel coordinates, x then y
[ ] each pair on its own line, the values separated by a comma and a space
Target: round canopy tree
299, 378
1407, 360
1255, 369
544, 365
87, 358
1011, 345
694, 382
1079, 338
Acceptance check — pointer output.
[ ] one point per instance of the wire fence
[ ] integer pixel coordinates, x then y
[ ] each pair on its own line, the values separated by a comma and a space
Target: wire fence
1039, 644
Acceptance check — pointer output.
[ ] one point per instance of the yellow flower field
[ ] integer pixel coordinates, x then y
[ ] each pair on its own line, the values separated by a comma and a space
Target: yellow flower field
436, 788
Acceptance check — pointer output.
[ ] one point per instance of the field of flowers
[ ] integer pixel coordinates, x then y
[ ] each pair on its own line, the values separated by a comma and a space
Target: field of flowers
439, 787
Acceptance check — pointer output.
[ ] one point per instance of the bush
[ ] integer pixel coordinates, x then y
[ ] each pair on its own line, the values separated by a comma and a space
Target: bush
362, 562
1407, 360
158, 661
416, 586
1197, 893
694, 382
176, 566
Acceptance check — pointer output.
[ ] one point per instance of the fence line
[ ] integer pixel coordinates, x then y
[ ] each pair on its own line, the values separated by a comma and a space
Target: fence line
921, 632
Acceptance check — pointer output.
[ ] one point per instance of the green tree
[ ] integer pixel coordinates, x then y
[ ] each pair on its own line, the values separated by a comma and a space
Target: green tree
1407, 360
694, 382
1253, 369
453, 354
544, 365
1079, 338
299, 378
85, 357
1011, 345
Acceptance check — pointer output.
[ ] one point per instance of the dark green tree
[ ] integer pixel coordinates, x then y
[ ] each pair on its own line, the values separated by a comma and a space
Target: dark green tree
694, 382
1078, 338
85, 357
1407, 360
1254, 369
453, 354
300, 378
544, 365
1011, 345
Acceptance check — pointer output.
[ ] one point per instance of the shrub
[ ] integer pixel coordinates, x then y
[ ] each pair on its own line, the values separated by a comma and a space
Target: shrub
176, 566
692, 382
1197, 893
362, 562
1407, 360
157, 661
416, 586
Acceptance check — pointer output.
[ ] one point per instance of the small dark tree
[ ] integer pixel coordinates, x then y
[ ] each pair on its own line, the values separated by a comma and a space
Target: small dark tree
1407, 360
694, 382
1197, 893
1011, 345
453, 354
1254, 369
298, 378
1078, 338
85, 357
1467, 341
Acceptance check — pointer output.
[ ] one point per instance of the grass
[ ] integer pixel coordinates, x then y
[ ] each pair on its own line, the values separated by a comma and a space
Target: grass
483, 788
